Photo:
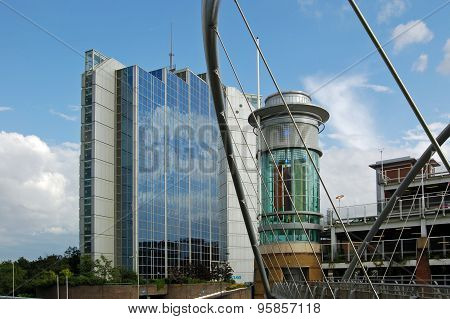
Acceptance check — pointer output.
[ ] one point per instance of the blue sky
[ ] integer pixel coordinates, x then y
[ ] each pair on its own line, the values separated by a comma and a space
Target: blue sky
306, 42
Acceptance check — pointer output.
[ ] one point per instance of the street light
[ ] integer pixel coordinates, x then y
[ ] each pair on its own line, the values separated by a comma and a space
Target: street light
57, 286
13, 279
67, 286
137, 272
339, 197
382, 170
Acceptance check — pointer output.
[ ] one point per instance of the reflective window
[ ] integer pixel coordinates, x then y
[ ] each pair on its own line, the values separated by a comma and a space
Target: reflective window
290, 189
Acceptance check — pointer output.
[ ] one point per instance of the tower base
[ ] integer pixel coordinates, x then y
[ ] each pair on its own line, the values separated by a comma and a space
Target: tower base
284, 265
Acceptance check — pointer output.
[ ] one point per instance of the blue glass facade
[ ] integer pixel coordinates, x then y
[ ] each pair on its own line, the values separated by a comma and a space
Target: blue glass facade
124, 167
166, 170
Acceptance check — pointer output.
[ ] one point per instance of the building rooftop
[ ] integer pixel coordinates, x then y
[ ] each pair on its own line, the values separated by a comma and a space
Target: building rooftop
400, 160
299, 104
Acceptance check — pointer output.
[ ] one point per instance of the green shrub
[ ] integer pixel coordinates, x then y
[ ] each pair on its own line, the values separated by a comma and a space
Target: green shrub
236, 286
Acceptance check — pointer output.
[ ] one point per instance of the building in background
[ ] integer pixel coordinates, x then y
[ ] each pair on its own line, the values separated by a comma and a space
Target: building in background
235, 244
290, 189
395, 254
97, 160
148, 167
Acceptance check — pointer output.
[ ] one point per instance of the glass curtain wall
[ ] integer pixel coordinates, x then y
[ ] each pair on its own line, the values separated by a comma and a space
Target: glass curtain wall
301, 182
124, 168
86, 162
176, 191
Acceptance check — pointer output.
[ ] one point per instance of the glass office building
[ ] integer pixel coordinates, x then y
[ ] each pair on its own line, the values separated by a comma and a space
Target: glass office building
162, 170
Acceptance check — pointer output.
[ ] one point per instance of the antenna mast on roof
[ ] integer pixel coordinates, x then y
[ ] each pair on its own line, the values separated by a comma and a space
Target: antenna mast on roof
171, 55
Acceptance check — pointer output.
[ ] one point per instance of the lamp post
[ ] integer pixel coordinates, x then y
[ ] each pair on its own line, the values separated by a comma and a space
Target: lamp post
381, 161
57, 286
13, 283
137, 272
67, 287
339, 197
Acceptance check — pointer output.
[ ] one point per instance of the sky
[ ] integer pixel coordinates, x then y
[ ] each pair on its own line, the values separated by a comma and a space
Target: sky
310, 45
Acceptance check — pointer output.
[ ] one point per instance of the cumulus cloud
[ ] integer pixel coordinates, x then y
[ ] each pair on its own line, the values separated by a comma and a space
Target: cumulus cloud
73, 107
64, 116
415, 31
420, 65
417, 141
345, 166
444, 66
390, 9
38, 191
377, 88
351, 123
310, 6
5, 108
346, 169
304, 4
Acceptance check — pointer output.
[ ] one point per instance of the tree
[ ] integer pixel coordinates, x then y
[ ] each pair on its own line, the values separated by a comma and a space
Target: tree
177, 275
198, 271
86, 266
6, 277
46, 278
103, 268
73, 256
66, 273
121, 275
222, 272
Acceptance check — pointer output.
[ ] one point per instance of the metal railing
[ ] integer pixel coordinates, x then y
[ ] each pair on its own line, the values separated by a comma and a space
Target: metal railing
397, 175
355, 289
406, 205
436, 280
381, 251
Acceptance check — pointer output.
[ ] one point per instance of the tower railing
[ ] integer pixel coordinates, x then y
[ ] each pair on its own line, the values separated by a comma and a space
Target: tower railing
359, 289
380, 252
397, 175
367, 213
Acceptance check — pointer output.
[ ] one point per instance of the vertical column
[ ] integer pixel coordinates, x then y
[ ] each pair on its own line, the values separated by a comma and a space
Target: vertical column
423, 227
423, 272
166, 256
189, 165
135, 169
333, 243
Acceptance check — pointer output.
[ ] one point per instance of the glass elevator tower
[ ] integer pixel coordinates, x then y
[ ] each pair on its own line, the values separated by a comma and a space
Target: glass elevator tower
289, 185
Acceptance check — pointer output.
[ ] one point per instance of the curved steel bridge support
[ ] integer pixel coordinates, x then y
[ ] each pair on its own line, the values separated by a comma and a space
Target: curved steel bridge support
210, 10
398, 193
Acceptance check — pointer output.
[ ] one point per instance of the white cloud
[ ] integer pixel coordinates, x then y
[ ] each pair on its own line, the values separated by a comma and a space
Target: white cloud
415, 31
417, 141
64, 116
38, 190
5, 108
390, 9
345, 167
377, 88
444, 66
310, 7
346, 170
304, 4
73, 107
351, 122
420, 65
